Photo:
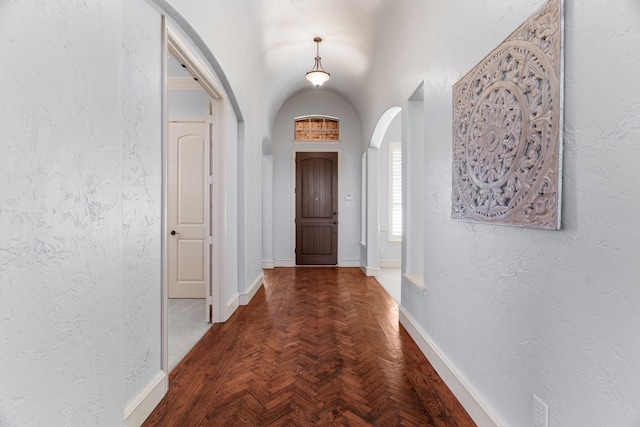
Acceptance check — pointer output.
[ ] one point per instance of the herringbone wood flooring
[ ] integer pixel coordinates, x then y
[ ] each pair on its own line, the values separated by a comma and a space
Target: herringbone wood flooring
315, 347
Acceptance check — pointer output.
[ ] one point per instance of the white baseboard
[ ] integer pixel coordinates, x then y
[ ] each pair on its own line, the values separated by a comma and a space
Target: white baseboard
370, 271
141, 406
268, 264
292, 263
246, 296
453, 379
232, 306
284, 263
390, 263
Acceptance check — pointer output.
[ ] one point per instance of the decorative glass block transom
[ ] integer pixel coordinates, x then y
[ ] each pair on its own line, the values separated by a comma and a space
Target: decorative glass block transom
316, 128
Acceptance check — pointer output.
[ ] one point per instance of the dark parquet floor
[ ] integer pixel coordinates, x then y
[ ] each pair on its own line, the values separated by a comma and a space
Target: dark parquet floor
315, 347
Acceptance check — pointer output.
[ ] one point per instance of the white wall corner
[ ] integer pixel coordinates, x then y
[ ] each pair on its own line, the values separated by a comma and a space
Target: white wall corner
268, 264
141, 406
471, 402
232, 306
247, 295
371, 271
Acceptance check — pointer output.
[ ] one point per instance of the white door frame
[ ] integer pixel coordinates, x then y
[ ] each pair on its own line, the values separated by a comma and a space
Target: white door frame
174, 43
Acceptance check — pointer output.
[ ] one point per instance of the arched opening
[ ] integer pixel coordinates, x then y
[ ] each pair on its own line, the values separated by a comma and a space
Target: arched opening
383, 253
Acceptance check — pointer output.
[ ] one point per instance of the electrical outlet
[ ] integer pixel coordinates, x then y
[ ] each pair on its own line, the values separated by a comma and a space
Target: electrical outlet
381, 250
540, 413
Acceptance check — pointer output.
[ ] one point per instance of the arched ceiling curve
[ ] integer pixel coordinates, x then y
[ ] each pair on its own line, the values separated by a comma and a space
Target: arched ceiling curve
270, 44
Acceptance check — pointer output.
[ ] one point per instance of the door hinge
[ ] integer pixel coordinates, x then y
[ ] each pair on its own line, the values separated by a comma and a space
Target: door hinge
209, 240
210, 179
209, 300
210, 120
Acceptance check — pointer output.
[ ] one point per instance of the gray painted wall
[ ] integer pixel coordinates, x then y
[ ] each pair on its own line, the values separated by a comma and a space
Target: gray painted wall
267, 210
187, 103
141, 196
317, 102
231, 199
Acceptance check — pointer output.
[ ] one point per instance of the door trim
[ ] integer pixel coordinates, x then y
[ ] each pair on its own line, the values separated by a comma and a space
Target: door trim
293, 196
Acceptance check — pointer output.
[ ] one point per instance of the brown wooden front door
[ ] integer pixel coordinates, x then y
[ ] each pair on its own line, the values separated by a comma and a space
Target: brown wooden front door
317, 208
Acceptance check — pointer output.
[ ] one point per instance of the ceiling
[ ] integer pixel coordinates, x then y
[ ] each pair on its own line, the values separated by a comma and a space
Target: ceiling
348, 32
278, 37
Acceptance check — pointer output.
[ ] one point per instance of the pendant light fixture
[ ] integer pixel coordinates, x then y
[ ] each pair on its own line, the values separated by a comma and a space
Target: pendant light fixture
317, 75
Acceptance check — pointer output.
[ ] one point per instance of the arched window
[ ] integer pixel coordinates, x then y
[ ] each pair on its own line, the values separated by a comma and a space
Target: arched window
316, 129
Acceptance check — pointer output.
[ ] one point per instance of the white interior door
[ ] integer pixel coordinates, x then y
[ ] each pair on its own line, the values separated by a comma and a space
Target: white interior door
188, 209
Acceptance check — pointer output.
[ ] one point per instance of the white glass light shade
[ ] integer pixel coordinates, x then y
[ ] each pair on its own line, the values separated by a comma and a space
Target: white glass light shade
317, 77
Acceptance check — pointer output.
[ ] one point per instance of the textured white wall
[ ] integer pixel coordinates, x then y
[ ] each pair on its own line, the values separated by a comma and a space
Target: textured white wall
413, 190
316, 102
521, 311
517, 311
61, 163
252, 213
141, 194
231, 201
81, 210
267, 208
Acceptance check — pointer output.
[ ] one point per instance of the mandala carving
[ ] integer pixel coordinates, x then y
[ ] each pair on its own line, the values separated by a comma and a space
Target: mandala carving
507, 119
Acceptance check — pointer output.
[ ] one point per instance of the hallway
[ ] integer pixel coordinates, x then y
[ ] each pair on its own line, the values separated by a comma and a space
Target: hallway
315, 347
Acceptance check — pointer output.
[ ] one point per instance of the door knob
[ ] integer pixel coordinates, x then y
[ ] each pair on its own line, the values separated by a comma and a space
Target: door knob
173, 232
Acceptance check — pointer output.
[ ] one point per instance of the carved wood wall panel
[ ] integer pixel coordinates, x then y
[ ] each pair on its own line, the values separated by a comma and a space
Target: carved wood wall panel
507, 124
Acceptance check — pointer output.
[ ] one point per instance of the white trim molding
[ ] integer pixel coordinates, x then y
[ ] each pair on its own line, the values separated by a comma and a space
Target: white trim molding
390, 263
186, 83
247, 295
186, 56
141, 406
456, 382
232, 306
370, 271
268, 264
